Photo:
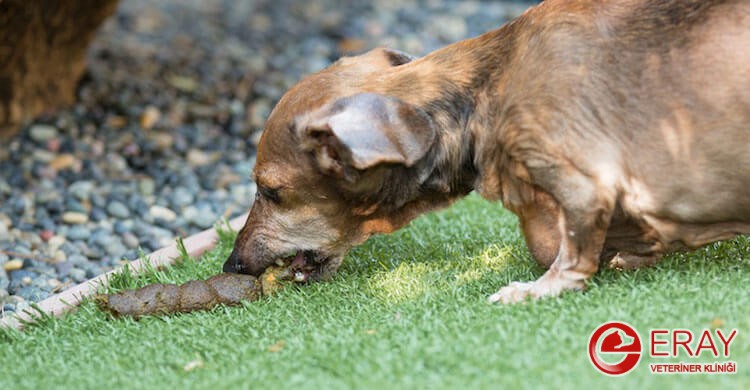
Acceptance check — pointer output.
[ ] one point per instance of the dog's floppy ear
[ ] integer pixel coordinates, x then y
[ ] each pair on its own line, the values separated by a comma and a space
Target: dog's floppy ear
396, 57
365, 130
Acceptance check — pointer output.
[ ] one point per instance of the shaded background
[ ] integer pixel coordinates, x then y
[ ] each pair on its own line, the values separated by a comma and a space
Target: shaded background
161, 141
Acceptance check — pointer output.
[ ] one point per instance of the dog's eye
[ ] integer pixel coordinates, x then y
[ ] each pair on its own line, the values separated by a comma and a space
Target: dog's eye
271, 194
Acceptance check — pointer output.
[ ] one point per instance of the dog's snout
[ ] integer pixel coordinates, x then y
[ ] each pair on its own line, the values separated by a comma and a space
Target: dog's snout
239, 264
233, 264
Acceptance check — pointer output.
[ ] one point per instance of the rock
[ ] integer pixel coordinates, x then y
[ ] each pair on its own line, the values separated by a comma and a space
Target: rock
59, 256
72, 204
42, 133
78, 232
197, 158
55, 242
46, 235
13, 265
146, 186
185, 84
123, 226
149, 117
97, 214
162, 141
259, 111
203, 218
182, 197
5, 221
32, 293
64, 161
54, 283
81, 190
160, 212
78, 275
74, 217
130, 240
114, 248
63, 268
118, 210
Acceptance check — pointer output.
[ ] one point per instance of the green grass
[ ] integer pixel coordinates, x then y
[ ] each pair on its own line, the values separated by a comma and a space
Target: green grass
406, 310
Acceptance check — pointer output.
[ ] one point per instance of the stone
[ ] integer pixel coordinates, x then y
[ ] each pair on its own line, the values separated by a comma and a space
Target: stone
146, 186
81, 190
197, 158
5, 221
78, 275
123, 226
74, 217
182, 197
13, 265
130, 240
32, 293
149, 117
118, 210
63, 161
42, 133
59, 256
46, 235
55, 242
78, 232
160, 212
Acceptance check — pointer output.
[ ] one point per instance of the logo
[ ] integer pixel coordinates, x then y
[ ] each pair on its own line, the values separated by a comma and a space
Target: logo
615, 348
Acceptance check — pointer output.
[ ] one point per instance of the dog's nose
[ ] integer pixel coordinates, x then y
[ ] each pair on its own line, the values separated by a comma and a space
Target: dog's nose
236, 264
233, 264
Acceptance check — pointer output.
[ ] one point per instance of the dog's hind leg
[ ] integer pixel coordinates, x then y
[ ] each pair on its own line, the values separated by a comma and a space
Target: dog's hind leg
627, 261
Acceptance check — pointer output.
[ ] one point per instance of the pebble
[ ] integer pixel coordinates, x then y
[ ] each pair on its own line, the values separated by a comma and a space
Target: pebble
78, 232
118, 210
46, 235
13, 265
74, 217
32, 293
197, 158
63, 161
59, 256
42, 133
130, 240
55, 242
160, 212
123, 226
149, 117
146, 186
182, 197
81, 190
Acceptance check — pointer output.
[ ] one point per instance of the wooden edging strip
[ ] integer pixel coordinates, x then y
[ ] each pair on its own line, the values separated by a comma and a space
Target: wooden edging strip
64, 301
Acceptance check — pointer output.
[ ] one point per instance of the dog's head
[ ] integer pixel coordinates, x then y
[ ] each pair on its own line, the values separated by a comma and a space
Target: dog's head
332, 169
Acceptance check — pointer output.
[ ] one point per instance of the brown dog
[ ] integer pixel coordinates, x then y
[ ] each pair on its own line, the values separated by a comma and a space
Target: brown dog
614, 129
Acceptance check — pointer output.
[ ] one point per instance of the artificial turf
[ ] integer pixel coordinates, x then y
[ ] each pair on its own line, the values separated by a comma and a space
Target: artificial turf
406, 310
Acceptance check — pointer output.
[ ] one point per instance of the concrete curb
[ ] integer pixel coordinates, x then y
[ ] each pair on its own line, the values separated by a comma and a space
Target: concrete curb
66, 300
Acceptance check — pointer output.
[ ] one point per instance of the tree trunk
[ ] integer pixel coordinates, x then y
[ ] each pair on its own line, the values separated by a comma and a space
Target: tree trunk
43, 54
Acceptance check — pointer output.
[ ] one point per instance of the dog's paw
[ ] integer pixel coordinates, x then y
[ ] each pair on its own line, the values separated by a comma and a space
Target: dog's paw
513, 293
625, 261
549, 285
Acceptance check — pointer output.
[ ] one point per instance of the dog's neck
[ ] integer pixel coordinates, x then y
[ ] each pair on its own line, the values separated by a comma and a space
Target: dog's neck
453, 86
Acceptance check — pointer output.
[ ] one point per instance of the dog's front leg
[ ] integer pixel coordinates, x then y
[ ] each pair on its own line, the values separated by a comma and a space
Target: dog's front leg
586, 210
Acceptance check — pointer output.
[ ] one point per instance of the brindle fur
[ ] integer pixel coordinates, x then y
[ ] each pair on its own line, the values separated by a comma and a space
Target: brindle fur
615, 129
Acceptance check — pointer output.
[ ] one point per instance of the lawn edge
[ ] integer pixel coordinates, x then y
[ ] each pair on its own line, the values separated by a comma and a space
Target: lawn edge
62, 302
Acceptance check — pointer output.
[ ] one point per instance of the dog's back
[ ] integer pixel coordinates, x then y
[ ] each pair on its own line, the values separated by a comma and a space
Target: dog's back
651, 96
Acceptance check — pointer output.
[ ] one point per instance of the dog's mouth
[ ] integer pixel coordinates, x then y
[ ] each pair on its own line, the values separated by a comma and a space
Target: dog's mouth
303, 265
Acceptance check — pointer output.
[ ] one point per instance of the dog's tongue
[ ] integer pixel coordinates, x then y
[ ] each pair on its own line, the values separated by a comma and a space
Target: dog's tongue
299, 260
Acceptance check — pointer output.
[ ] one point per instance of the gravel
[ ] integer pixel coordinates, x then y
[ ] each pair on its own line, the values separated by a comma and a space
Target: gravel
161, 141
